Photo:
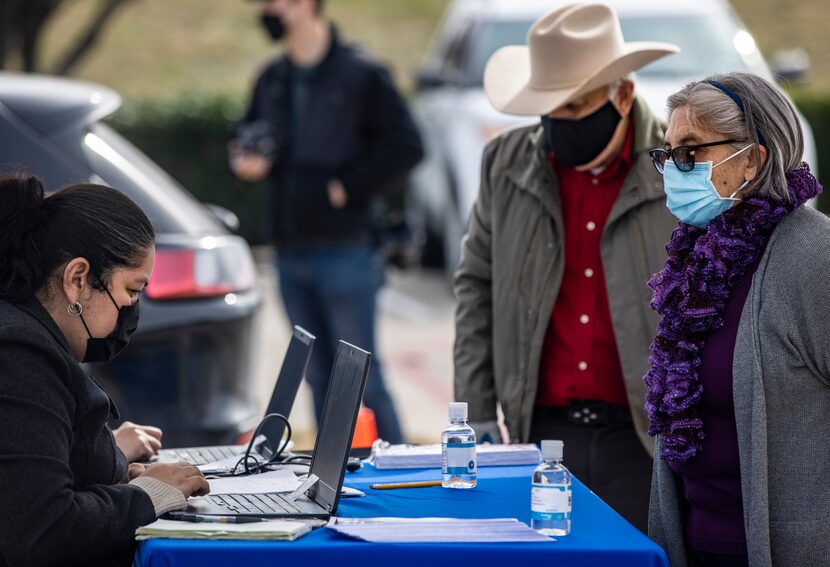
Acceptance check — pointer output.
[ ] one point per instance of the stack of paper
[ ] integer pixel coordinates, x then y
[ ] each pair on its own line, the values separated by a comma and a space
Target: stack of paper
270, 530
270, 482
429, 456
436, 530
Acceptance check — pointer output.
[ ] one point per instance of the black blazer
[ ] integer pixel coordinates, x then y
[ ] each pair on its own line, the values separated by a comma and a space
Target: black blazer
355, 127
63, 500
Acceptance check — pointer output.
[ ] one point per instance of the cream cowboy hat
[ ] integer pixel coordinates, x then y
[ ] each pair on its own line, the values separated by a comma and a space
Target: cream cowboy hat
571, 51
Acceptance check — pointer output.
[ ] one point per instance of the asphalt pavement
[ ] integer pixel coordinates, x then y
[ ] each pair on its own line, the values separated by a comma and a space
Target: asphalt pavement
415, 335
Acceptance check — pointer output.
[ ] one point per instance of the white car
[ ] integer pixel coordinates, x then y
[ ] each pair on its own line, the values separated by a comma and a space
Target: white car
457, 120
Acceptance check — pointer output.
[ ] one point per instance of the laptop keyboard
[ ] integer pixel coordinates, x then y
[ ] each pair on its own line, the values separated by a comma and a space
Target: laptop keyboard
204, 455
255, 503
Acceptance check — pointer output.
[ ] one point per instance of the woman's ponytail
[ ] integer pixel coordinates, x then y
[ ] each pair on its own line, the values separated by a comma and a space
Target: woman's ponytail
40, 233
21, 212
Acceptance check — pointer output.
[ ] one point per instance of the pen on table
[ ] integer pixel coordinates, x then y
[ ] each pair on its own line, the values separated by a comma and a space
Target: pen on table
419, 484
217, 519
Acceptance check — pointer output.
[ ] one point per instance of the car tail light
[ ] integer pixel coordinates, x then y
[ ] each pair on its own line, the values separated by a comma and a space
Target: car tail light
205, 267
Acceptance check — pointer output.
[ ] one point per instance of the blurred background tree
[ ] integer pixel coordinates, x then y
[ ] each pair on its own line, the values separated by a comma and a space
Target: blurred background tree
158, 49
22, 26
185, 67
151, 49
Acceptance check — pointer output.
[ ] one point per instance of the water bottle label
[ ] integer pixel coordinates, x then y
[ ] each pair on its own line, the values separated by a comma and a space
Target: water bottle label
543, 516
459, 458
550, 502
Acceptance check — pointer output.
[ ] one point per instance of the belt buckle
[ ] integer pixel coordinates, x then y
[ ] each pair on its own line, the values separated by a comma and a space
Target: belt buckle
588, 413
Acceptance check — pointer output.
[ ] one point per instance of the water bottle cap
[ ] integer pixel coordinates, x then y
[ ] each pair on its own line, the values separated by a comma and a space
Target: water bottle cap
552, 450
458, 410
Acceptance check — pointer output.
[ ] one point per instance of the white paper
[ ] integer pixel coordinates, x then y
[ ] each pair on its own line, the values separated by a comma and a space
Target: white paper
271, 481
429, 456
436, 530
270, 529
270, 526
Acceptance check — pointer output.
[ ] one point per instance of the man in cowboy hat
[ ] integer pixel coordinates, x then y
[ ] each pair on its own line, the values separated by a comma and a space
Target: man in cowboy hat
553, 321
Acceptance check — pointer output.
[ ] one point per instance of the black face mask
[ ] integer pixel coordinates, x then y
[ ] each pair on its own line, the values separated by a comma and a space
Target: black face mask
274, 25
577, 142
106, 348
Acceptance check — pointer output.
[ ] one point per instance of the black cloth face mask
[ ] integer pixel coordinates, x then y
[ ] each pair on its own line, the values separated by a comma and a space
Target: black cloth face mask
577, 142
107, 348
274, 25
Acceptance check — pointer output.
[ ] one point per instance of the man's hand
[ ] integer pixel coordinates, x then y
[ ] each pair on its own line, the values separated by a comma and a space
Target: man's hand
138, 442
337, 194
248, 167
486, 431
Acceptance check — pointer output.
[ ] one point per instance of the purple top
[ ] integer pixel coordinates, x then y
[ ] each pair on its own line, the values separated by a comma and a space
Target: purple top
711, 480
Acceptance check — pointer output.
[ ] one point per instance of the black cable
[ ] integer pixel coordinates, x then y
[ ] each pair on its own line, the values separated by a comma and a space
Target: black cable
287, 436
295, 458
247, 456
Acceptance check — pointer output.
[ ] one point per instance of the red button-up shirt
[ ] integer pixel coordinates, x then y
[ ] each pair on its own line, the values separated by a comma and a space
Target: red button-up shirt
579, 358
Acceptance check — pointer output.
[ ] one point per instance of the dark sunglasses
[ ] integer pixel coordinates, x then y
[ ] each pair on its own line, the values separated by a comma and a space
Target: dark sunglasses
682, 156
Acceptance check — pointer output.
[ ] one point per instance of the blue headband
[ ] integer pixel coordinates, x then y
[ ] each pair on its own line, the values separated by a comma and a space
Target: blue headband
734, 96
729, 92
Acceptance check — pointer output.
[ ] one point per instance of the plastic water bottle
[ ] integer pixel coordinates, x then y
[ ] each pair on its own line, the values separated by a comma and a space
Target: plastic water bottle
550, 496
458, 450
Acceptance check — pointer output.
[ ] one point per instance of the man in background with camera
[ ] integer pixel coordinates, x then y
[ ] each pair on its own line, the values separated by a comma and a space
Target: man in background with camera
330, 131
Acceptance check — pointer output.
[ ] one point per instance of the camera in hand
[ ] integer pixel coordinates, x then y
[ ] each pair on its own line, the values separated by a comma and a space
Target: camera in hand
257, 138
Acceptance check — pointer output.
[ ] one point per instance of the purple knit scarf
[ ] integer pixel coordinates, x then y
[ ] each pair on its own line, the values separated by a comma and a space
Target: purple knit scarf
690, 293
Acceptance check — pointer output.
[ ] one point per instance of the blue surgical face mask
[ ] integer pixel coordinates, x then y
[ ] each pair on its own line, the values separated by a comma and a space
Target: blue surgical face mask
691, 195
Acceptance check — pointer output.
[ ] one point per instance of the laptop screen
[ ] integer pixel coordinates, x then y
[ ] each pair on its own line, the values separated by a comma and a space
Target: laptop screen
285, 391
334, 439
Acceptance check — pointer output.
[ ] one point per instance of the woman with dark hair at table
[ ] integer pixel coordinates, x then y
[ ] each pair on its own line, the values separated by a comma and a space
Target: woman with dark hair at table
739, 388
72, 267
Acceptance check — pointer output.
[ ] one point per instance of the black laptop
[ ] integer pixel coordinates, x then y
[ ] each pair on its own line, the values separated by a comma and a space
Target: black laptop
293, 369
331, 452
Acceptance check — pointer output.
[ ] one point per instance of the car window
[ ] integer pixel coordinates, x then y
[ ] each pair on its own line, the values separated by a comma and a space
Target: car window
457, 57
491, 36
168, 205
24, 149
707, 44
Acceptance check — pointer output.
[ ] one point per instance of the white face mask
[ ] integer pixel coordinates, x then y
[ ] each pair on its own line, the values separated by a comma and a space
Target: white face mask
691, 195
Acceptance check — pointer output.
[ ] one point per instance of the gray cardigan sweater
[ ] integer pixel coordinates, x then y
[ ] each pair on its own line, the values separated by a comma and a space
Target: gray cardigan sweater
781, 382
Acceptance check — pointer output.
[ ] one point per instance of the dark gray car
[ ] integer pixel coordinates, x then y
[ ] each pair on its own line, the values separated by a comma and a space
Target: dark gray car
189, 367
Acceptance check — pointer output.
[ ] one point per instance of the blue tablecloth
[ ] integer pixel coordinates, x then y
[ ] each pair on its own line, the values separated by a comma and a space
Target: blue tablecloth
599, 536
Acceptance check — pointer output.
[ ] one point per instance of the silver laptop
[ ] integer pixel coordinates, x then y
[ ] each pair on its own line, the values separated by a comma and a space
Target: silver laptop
331, 452
282, 400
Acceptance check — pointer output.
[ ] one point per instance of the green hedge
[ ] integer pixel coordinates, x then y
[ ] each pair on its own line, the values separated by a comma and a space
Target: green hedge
815, 105
188, 138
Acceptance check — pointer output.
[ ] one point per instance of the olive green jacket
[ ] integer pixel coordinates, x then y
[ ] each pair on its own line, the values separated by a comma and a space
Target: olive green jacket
512, 262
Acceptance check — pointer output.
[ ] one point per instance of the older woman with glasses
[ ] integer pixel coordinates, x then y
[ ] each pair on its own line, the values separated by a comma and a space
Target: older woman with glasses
739, 385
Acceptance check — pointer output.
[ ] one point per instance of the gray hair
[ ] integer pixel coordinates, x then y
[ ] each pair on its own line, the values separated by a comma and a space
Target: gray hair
768, 118
614, 87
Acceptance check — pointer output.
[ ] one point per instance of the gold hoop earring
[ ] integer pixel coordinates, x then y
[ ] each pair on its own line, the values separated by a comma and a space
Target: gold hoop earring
75, 309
